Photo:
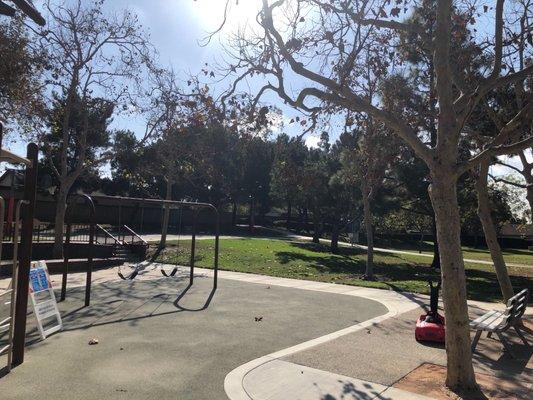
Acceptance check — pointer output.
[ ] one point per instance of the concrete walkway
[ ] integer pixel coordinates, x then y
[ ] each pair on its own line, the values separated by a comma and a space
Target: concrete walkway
281, 380
412, 253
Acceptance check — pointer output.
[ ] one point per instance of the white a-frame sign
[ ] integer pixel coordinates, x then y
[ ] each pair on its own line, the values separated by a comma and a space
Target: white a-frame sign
43, 299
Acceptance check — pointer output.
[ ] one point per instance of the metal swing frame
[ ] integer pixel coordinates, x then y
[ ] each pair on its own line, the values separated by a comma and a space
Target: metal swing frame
175, 269
197, 208
66, 247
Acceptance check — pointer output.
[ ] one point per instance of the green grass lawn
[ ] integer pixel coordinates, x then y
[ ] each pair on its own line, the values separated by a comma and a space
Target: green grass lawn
311, 261
516, 256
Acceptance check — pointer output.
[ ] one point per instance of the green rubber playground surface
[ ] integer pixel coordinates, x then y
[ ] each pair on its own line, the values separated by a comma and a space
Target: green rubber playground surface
155, 345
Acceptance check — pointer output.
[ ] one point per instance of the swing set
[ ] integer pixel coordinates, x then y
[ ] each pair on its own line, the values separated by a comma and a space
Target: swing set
196, 209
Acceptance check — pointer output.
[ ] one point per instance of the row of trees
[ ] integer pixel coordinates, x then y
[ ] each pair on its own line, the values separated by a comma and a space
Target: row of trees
366, 175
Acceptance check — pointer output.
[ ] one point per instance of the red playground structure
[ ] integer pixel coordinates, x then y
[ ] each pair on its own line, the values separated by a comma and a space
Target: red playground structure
430, 326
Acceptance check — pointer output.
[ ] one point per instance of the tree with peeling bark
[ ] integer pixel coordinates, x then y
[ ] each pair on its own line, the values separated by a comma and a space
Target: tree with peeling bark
491, 236
486, 123
324, 43
498, 107
90, 54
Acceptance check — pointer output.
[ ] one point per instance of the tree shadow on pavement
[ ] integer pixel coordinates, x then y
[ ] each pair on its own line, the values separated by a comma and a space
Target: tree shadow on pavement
351, 392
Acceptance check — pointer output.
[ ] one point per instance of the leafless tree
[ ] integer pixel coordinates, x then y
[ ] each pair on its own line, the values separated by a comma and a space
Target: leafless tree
90, 55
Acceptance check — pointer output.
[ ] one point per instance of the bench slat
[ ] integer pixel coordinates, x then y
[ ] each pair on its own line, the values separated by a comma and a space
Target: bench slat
497, 320
493, 326
487, 319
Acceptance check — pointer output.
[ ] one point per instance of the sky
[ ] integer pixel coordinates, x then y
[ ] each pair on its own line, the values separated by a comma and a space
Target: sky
177, 27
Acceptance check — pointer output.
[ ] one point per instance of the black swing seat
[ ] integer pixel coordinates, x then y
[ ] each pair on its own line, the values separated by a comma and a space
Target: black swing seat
172, 273
130, 276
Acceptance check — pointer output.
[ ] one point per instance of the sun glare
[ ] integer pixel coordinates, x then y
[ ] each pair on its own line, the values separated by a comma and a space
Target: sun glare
210, 13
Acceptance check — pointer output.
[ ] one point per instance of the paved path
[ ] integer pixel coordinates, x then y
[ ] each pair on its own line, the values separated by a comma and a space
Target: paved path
412, 253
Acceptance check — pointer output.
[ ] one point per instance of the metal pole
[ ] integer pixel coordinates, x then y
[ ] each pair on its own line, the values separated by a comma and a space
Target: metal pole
14, 280
217, 234
193, 245
66, 249
21, 308
142, 217
88, 278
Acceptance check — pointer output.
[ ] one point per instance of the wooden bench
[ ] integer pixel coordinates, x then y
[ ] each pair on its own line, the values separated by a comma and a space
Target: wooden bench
500, 321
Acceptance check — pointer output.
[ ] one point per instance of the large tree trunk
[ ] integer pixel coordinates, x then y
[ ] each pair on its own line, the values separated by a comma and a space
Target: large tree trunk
166, 216
443, 193
61, 208
490, 232
369, 228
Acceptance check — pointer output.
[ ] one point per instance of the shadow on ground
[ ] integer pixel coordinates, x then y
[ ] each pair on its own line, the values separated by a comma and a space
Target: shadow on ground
163, 339
351, 392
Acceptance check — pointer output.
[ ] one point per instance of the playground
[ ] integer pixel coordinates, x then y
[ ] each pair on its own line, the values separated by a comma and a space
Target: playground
175, 330
159, 340
256, 337
167, 233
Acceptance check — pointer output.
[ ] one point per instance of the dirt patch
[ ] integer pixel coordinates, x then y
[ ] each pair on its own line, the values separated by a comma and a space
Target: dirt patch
428, 380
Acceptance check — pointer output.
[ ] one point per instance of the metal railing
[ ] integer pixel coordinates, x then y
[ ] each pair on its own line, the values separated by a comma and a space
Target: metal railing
103, 236
45, 232
80, 233
135, 238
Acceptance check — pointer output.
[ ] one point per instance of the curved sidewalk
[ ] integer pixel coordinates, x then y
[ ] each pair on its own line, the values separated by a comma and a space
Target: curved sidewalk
272, 377
268, 377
